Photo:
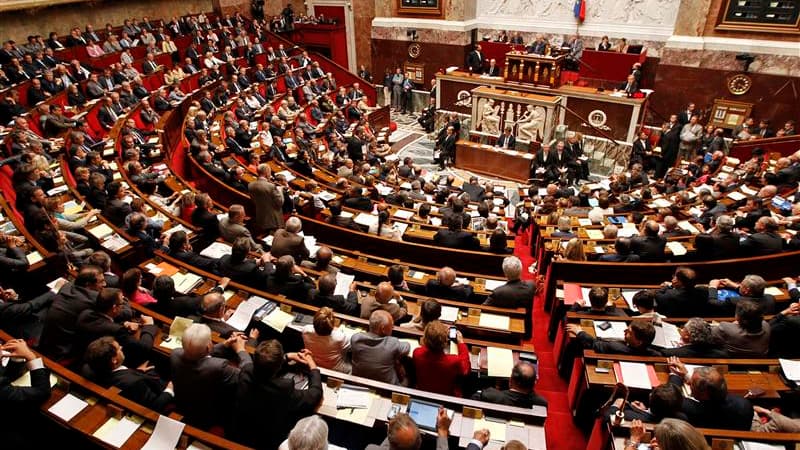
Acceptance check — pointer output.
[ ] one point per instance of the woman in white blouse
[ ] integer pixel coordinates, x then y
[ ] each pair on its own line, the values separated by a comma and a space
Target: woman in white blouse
328, 345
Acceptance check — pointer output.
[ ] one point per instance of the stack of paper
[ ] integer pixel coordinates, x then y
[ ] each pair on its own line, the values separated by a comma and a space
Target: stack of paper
278, 320
244, 312
491, 285
635, 375
166, 435
667, 336
616, 331
500, 361
749, 445
185, 282
449, 314
594, 234
791, 369
68, 407
217, 250
403, 214
101, 231
353, 397
487, 320
343, 282
116, 431
497, 428
677, 248
368, 220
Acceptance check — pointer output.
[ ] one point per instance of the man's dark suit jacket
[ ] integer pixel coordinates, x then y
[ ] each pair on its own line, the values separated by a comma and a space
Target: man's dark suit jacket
205, 388
143, 388
476, 191
510, 398
728, 306
60, 324
696, 351
209, 226
92, 325
503, 138
456, 239
726, 245
607, 311
784, 335
616, 347
679, 302
199, 261
179, 305
461, 292
616, 257
649, 248
339, 303
274, 401
116, 211
758, 244
246, 272
19, 406
218, 326
732, 413
513, 294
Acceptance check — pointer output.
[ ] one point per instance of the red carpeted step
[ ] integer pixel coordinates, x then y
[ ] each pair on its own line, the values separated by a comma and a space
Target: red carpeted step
561, 432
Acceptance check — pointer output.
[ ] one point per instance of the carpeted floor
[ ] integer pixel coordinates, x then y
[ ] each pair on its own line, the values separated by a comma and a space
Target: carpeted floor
561, 433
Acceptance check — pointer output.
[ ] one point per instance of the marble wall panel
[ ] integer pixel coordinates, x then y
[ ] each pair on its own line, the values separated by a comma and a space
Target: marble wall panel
424, 35
692, 16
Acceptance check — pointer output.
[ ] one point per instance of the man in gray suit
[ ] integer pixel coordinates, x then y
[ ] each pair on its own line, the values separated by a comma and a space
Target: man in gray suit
375, 354
268, 200
232, 227
205, 385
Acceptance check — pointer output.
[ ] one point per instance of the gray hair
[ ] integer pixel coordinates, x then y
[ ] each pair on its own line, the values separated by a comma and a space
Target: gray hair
512, 267
564, 223
294, 225
310, 433
610, 231
699, 331
755, 284
725, 223
596, 215
195, 341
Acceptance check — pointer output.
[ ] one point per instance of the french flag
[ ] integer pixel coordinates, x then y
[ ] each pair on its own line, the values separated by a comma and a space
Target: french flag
580, 10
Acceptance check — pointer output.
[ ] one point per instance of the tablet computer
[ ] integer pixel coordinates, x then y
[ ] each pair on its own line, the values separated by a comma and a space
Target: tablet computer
424, 414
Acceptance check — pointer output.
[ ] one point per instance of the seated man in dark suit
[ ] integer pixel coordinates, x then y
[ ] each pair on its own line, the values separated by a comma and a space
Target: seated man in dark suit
765, 241
101, 321
622, 252
216, 312
104, 358
445, 286
564, 230
515, 293
650, 247
678, 297
266, 396
205, 385
507, 139
19, 405
598, 304
697, 341
712, 405
241, 269
727, 242
638, 339
785, 328
476, 191
180, 248
324, 296
455, 237
116, 209
750, 288
289, 279
520, 391
206, 220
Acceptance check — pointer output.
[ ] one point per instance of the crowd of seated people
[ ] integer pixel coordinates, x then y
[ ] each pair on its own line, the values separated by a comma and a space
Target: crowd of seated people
90, 321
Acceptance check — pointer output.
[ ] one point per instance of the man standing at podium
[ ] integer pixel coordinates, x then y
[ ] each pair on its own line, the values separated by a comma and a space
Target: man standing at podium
475, 60
507, 139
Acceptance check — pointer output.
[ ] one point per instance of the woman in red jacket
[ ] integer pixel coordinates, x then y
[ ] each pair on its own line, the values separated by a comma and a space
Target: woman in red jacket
436, 371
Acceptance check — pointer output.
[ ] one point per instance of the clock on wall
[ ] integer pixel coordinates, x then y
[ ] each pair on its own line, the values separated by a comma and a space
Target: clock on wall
414, 50
739, 84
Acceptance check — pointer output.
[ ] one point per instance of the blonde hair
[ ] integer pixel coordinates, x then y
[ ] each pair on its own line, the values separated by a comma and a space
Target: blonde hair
574, 250
675, 434
435, 337
324, 321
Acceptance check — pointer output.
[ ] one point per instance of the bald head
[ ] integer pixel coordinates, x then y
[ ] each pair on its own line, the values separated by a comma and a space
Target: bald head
213, 304
384, 293
446, 276
264, 170
294, 225
381, 323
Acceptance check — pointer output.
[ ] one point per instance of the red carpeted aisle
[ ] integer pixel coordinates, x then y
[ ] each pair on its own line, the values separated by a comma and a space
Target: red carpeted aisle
561, 433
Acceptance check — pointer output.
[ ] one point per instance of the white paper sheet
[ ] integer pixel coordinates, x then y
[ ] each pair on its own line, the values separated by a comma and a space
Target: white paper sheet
244, 312
791, 369
116, 431
217, 250
68, 407
635, 375
677, 248
667, 336
487, 320
449, 314
166, 434
353, 397
617, 330
493, 284
343, 282
500, 361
